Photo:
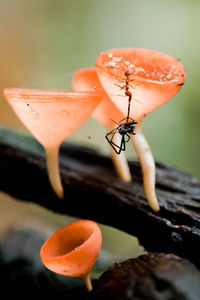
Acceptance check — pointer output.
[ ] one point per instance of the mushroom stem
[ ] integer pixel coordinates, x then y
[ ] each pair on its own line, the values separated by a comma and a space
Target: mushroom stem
148, 166
52, 160
120, 162
87, 280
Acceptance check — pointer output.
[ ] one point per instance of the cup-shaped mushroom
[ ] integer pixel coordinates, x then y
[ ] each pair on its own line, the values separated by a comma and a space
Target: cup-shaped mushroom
147, 79
51, 116
73, 250
154, 78
106, 113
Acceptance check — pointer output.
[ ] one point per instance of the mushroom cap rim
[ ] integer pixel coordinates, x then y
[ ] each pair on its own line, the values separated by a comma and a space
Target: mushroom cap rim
48, 94
75, 249
138, 78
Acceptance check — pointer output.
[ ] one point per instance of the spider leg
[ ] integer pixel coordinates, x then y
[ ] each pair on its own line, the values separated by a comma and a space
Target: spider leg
129, 119
132, 86
116, 147
136, 84
121, 87
117, 85
121, 147
126, 141
123, 144
132, 120
123, 120
114, 144
114, 130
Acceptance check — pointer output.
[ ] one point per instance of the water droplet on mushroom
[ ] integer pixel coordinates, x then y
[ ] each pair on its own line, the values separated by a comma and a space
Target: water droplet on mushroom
117, 59
111, 63
139, 69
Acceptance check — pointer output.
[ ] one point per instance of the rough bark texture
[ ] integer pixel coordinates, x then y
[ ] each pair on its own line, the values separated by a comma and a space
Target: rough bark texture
153, 276
93, 191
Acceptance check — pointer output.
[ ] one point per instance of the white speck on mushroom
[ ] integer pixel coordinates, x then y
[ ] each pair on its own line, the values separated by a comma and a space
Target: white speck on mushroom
169, 75
139, 69
117, 59
111, 63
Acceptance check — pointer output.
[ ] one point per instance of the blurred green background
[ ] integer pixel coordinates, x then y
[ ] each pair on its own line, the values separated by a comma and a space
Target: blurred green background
43, 42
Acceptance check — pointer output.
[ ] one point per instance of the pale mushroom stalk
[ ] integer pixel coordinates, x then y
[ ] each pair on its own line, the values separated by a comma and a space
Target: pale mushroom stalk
52, 160
148, 166
87, 280
120, 161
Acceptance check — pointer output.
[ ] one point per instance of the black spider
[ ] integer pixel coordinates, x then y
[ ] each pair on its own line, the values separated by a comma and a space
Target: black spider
124, 129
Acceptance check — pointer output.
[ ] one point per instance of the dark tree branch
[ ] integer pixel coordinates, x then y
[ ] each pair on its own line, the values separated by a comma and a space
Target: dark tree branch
93, 191
153, 276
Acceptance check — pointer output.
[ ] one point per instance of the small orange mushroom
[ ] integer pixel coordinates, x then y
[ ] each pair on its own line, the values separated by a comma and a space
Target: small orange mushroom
73, 250
87, 80
51, 116
154, 79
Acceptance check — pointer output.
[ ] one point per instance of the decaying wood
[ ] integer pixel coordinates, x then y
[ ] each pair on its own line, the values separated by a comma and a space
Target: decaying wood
153, 276
93, 191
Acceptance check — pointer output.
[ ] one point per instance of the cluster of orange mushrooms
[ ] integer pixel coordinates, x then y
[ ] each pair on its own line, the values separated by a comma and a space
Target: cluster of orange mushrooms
52, 115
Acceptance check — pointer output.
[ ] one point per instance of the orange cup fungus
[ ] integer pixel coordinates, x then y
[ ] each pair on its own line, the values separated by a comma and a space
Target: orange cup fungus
106, 112
155, 78
131, 82
145, 79
73, 250
51, 116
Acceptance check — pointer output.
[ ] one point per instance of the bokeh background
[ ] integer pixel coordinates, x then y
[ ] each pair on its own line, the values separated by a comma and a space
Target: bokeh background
44, 41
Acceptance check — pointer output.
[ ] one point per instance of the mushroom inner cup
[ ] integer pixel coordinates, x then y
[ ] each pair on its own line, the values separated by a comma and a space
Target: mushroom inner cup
62, 243
144, 64
154, 78
146, 96
51, 116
